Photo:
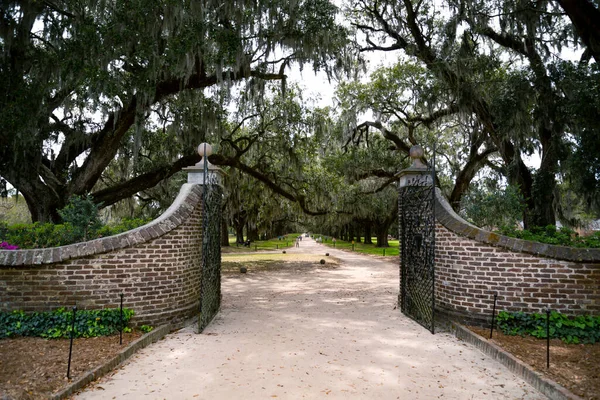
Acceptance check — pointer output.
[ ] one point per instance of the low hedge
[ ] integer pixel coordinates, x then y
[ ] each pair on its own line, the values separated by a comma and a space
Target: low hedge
57, 324
580, 329
43, 235
551, 235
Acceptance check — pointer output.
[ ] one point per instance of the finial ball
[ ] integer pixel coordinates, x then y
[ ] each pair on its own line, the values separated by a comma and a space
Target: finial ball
204, 149
416, 152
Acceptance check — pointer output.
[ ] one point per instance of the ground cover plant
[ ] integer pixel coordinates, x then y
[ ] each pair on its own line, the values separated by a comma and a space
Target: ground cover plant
58, 323
574, 346
579, 329
7, 246
34, 347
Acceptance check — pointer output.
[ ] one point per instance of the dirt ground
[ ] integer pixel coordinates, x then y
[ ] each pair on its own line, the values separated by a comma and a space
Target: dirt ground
35, 368
311, 331
574, 366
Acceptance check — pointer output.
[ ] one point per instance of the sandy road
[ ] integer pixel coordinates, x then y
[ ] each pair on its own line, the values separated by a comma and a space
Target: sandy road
325, 333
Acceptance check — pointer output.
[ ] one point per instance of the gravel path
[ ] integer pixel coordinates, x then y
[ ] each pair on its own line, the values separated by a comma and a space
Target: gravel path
330, 333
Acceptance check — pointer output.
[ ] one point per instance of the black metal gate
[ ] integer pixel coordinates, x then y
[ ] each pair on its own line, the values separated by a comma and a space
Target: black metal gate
210, 284
417, 241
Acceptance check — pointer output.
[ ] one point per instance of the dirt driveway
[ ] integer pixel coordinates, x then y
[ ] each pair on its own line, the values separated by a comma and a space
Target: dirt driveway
323, 333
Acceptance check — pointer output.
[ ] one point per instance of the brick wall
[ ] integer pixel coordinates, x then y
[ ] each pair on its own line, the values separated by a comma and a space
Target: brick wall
157, 267
473, 264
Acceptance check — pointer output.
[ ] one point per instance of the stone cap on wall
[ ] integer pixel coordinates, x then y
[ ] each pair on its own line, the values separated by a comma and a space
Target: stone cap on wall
446, 216
188, 198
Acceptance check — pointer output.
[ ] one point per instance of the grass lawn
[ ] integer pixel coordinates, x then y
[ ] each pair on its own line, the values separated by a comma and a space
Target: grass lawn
276, 244
393, 250
270, 244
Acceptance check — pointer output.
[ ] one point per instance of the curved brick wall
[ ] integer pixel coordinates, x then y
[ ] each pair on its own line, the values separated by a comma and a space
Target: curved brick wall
156, 266
473, 264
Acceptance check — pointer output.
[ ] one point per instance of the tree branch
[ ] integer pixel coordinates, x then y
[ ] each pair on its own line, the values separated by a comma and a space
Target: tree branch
107, 141
398, 142
126, 189
218, 159
586, 19
505, 40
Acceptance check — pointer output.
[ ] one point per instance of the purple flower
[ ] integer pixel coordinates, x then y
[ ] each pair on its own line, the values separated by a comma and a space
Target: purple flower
6, 246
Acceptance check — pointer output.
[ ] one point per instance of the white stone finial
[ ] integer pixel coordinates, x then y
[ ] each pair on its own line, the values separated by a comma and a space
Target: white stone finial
196, 173
417, 174
416, 153
204, 149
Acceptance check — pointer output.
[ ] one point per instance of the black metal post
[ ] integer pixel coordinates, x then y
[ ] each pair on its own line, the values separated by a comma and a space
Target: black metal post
71, 343
384, 251
547, 338
493, 314
121, 316
277, 246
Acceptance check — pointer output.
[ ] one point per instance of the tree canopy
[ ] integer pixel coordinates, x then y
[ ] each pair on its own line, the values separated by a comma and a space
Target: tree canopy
110, 98
493, 63
78, 77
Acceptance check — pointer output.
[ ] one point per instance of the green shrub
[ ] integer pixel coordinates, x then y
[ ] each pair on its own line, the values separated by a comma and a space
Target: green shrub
551, 235
580, 329
57, 324
38, 235
491, 208
83, 216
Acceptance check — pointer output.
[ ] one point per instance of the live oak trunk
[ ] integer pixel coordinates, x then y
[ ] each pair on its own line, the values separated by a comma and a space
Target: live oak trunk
224, 233
382, 230
252, 232
368, 233
239, 221
382, 237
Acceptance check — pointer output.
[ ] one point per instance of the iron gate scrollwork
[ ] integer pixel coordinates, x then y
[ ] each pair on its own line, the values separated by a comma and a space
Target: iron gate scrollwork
417, 257
210, 284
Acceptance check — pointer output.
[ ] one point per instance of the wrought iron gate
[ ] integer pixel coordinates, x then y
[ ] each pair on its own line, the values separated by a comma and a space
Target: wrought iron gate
417, 257
210, 284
